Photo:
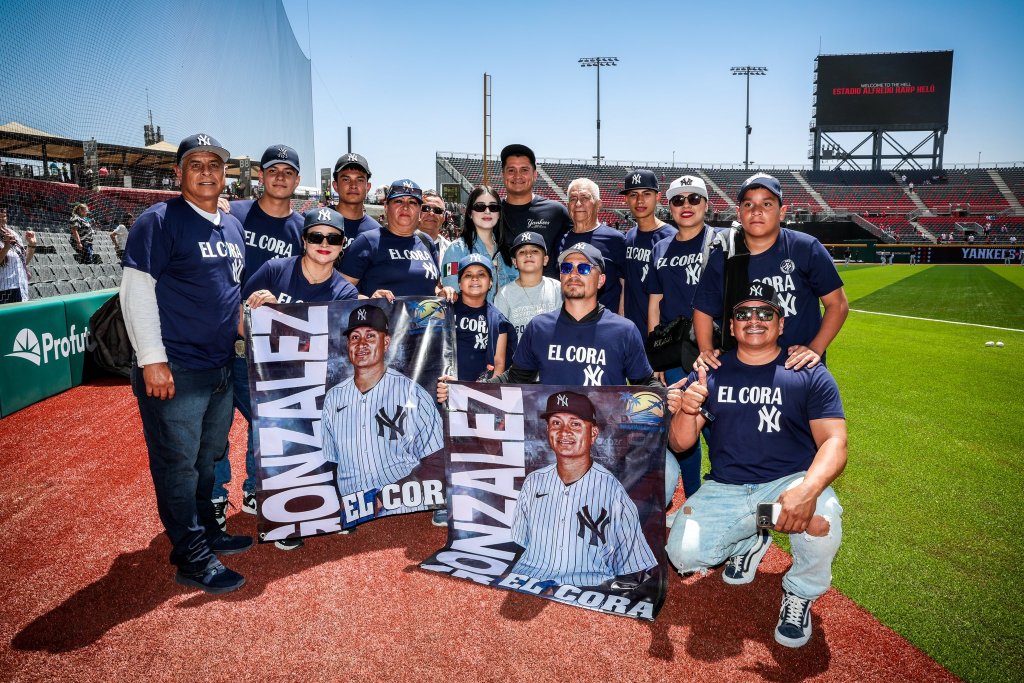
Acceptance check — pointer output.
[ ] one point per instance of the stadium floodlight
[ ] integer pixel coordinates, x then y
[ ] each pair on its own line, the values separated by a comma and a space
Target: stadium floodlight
748, 71
598, 62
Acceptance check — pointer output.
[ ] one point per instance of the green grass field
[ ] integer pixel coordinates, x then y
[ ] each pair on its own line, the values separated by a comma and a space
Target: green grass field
932, 491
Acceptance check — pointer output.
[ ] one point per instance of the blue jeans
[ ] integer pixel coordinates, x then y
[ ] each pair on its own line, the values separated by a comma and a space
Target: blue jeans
222, 470
686, 463
184, 435
719, 521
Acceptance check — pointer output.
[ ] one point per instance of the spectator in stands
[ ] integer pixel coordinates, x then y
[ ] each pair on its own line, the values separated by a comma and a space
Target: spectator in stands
642, 192
584, 208
82, 233
119, 235
796, 264
180, 291
432, 217
482, 233
352, 182
522, 210
14, 260
531, 293
272, 231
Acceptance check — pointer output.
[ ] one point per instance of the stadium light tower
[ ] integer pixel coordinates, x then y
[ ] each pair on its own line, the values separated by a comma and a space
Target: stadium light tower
748, 71
598, 62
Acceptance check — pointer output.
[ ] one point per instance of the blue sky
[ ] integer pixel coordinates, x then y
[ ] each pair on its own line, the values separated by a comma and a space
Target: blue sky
408, 81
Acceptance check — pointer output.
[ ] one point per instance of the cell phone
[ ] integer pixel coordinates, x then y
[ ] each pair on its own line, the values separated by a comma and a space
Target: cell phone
768, 515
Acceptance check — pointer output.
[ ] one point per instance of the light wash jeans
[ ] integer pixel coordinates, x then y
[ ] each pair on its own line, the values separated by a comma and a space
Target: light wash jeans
719, 521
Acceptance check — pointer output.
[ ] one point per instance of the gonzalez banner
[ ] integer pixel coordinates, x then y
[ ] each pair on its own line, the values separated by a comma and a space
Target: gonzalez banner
346, 426
557, 491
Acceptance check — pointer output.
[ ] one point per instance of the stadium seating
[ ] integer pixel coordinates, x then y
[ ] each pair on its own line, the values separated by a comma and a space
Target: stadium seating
970, 191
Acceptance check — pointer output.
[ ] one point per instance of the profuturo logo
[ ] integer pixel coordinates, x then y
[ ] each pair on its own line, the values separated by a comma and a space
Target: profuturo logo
27, 345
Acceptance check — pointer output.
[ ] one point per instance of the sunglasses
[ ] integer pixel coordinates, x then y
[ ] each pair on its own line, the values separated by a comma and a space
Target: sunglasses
432, 209
693, 199
747, 312
481, 207
581, 268
334, 240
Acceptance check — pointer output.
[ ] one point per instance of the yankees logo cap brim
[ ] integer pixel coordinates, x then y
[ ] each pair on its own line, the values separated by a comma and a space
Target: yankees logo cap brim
352, 159
760, 291
323, 216
367, 315
640, 179
280, 154
569, 402
687, 184
760, 180
200, 142
531, 238
404, 188
589, 251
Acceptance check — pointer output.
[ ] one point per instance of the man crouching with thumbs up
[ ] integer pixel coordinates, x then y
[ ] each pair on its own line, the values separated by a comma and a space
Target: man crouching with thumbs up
778, 435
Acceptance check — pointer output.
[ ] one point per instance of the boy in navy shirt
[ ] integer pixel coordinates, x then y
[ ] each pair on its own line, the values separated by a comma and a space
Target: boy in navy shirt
778, 437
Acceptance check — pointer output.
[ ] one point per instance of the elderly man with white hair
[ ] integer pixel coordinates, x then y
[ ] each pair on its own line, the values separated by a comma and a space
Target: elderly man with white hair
584, 208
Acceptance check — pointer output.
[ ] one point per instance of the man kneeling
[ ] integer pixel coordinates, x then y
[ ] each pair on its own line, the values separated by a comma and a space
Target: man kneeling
777, 436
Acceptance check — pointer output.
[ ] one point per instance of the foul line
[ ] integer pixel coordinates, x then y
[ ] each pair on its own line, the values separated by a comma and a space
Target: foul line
934, 320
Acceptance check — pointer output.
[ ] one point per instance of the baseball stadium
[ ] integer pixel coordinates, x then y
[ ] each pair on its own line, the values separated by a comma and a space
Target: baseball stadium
101, 101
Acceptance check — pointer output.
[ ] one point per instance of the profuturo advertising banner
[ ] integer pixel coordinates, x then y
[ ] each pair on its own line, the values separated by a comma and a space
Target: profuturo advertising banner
558, 492
346, 424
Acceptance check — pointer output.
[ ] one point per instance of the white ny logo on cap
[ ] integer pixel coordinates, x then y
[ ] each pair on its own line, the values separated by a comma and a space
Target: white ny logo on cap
204, 139
755, 290
527, 237
407, 184
636, 178
323, 215
282, 152
361, 314
353, 157
563, 400
579, 245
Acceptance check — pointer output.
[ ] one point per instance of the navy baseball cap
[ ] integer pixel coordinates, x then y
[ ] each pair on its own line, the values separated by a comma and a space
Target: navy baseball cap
763, 292
352, 159
405, 188
569, 402
367, 315
528, 237
517, 150
474, 260
640, 179
589, 251
200, 142
280, 154
323, 216
761, 180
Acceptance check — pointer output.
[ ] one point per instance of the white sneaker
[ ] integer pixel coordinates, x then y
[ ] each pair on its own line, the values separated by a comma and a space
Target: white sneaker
249, 503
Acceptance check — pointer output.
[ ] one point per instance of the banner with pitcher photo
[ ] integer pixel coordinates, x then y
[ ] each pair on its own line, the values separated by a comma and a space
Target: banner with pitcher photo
558, 492
346, 427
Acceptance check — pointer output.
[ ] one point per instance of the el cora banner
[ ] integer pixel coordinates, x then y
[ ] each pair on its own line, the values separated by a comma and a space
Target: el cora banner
557, 491
346, 427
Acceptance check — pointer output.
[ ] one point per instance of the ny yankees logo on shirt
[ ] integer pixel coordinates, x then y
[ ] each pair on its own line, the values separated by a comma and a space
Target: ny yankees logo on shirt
597, 526
394, 423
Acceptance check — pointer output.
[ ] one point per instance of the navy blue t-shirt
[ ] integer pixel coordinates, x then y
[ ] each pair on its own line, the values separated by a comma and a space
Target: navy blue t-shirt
612, 245
284, 279
354, 228
198, 270
380, 259
266, 237
675, 272
800, 270
638, 265
605, 351
543, 216
762, 430
477, 329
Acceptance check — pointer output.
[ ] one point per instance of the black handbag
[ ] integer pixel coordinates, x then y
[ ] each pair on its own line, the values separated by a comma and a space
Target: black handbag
670, 345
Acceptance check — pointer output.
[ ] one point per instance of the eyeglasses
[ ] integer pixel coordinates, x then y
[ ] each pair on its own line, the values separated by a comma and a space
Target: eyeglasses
581, 268
481, 207
747, 312
333, 239
426, 208
693, 198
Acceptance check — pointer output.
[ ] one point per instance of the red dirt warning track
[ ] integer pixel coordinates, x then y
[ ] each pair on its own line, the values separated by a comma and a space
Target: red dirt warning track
86, 593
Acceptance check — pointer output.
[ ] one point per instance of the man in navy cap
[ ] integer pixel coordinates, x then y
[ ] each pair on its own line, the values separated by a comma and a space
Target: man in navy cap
642, 193
180, 293
272, 230
352, 182
794, 263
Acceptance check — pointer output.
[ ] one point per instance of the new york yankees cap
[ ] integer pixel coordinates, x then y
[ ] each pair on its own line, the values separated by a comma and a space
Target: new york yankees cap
352, 159
280, 154
685, 185
323, 216
763, 292
640, 179
760, 180
474, 260
517, 150
528, 237
200, 142
569, 402
404, 188
367, 315
589, 251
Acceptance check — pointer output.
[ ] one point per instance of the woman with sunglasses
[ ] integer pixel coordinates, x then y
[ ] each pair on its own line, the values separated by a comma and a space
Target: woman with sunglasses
482, 233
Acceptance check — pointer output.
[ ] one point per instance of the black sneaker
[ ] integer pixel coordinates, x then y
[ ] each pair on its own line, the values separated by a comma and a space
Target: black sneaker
440, 517
794, 627
231, 545
741, 569
249, 503
214, 579
289, 544
220, 512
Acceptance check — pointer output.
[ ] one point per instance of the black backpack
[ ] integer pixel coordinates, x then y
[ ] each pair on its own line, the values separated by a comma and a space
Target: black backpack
109, 346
